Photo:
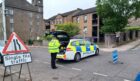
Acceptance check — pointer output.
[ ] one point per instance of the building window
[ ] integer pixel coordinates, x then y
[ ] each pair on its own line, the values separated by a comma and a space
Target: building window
38, 23
61, 21
38, 17
30, 14
57, 21
52, 22
39, 9
78, 19
85, 18
39, 2
11, 27
11, 12
11, 20
31, 23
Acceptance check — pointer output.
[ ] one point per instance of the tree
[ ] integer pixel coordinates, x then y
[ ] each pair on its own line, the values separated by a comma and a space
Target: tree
115, 13
71, 28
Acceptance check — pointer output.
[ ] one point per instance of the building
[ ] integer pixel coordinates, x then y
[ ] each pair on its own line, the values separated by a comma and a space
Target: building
61, 18
88, 19
24, 18
85, 18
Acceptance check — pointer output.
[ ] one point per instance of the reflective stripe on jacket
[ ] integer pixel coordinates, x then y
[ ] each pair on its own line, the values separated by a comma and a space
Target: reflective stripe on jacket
53, 46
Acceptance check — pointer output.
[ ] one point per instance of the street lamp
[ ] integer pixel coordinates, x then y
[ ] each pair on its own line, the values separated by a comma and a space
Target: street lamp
4, 21
85, 32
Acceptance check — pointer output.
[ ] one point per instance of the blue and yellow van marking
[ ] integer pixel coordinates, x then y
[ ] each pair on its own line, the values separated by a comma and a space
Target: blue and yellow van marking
78, 48
87, 48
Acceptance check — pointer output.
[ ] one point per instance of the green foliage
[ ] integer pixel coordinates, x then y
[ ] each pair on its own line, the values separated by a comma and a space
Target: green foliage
132, 28
48, 37
30, 42
71, 28
115, 13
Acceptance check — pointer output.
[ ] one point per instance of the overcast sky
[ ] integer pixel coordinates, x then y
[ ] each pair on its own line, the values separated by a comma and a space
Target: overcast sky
53, 7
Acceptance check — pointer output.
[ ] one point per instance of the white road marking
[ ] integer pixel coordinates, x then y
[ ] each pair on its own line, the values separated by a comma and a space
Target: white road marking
126, 80
60, 65
100, 74
77, 69
46, 62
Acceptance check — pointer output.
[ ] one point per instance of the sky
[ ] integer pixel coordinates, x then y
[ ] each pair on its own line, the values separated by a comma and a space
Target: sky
53, 7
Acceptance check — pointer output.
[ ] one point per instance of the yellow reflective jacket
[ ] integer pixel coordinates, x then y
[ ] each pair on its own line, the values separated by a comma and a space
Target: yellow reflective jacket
53, 46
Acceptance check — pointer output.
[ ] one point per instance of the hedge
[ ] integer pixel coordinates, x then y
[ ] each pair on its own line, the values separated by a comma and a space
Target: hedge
132, 28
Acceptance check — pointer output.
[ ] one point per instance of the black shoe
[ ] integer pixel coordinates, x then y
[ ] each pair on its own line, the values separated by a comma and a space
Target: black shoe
54, 68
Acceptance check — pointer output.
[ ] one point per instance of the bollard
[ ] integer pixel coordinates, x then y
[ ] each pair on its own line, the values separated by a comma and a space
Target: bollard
115, 56
137, 77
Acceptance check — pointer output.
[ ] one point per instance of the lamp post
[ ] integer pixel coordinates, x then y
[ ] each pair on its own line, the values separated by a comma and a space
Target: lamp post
85, 32
4, 20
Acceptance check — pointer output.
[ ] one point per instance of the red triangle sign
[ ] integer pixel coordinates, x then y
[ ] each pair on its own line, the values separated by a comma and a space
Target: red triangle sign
15, 45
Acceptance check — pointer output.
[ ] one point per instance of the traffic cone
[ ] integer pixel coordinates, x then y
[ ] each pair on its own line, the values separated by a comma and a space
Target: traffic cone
137, 77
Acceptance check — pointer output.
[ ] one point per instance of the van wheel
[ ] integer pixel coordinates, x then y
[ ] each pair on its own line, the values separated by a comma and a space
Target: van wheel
97, 52
77, 57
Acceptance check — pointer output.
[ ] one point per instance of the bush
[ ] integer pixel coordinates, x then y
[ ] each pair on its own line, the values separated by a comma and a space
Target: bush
30, 42
132, 28
48, 37
71, 28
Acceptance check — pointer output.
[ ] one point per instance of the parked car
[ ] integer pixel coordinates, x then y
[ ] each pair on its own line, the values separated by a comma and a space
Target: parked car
77, 49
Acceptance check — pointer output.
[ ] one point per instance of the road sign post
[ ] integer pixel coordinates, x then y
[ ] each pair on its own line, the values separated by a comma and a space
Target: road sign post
4, 20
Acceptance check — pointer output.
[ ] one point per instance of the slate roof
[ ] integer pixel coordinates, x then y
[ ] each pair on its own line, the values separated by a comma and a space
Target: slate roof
64, 14
20, 4
86, 11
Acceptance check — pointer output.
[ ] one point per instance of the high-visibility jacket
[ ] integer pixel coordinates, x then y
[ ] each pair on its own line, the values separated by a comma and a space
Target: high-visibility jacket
53, 46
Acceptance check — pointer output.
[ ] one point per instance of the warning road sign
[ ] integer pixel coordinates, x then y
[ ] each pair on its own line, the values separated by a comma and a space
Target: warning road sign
14, 45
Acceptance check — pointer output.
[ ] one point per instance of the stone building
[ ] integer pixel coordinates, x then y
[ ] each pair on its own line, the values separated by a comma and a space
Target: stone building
24, 18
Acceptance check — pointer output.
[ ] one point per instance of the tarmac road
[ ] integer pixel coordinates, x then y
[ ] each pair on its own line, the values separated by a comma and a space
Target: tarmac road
94, 68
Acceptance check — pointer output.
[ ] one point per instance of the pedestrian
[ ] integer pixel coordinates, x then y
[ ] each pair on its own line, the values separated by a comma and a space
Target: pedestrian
53, 48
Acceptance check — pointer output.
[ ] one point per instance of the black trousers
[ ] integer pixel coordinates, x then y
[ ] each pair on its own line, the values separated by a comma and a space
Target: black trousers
53, 60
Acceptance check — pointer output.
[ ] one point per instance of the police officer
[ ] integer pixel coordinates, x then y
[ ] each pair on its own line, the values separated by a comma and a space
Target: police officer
53, 48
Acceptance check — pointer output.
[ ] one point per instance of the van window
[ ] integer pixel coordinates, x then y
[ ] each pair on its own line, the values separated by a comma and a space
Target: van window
75, 43
88, 43
81, 42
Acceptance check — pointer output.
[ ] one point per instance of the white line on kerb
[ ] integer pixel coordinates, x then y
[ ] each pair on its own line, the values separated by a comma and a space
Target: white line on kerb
126, 80
100, 74
77, 69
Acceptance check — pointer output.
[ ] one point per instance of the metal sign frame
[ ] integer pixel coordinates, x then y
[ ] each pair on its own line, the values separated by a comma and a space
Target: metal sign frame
19, 71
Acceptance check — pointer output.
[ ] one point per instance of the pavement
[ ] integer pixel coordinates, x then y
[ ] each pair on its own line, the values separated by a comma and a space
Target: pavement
125, 47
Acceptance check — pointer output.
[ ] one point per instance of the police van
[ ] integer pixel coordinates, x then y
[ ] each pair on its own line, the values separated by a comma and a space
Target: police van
77, 49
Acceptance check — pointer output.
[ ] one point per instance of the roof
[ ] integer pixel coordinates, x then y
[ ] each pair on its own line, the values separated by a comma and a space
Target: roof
64, 14
20, 4
52, 18
70, 12
86, 11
